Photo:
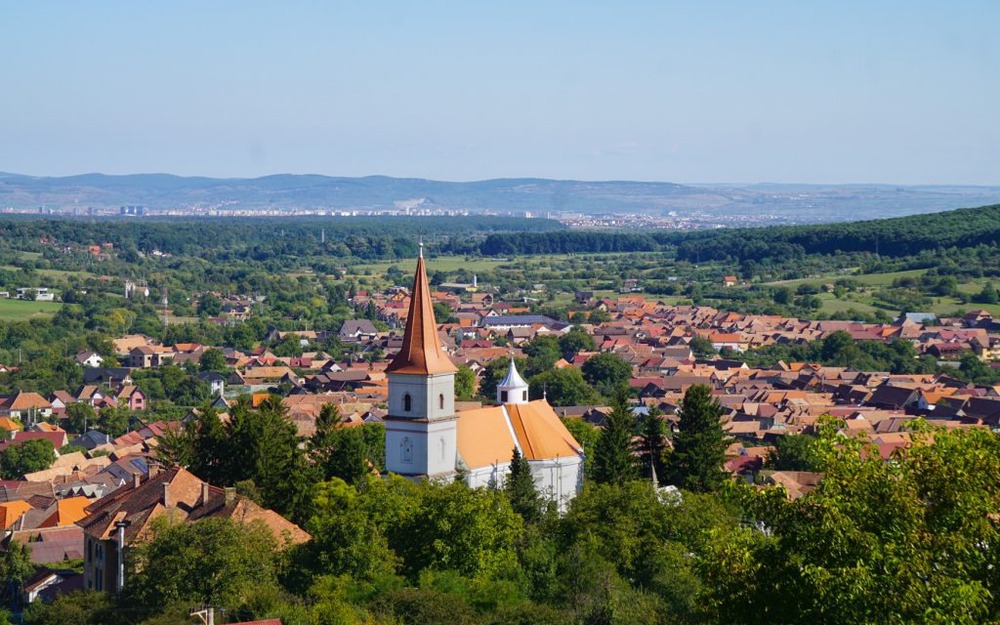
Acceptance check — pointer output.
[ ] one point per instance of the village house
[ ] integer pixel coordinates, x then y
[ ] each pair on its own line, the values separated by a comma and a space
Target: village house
175, 495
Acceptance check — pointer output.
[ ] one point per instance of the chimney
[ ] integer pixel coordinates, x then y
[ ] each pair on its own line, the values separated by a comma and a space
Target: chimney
167, 502
230, 495
136, 480
204, 493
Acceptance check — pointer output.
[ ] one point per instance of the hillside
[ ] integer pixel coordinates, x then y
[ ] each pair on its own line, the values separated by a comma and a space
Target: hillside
895, 237
723, 204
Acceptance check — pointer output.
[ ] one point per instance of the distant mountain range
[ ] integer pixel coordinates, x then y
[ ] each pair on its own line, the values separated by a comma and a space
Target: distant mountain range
728, 203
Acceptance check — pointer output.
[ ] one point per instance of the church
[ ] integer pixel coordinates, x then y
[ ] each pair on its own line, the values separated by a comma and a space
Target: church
425, 437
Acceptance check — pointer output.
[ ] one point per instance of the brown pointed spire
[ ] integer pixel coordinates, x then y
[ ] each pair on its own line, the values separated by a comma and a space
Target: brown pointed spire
421, 352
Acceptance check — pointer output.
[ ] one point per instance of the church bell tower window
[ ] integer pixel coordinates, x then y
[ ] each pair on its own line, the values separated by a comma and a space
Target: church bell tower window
407, 403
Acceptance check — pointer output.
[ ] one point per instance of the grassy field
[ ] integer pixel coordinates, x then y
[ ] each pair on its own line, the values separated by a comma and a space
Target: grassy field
870, 279
17, 310
441, 263
832, 305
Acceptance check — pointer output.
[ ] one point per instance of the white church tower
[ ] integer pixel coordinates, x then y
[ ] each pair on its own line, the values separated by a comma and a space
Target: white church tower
421, 427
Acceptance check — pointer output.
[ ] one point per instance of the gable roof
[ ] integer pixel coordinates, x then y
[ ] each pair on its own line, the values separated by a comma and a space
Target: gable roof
488, 435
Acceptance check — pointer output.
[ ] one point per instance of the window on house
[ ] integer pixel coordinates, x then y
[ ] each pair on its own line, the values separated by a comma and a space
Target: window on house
407, 403
524, 395
503, 397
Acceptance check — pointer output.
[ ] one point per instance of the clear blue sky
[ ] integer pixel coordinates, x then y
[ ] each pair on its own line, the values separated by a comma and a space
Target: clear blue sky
744, 91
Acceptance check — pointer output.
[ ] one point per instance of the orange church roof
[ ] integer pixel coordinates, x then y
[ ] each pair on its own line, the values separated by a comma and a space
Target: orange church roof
421, 352
541, 433
484, 437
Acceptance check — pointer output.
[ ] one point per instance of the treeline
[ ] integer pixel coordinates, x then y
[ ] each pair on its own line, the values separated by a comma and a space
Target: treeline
892, 238
363, 237
567, 242
903, 236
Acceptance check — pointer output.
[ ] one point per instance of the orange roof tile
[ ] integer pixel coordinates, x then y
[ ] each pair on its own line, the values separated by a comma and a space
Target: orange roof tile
68, 511
11, 511
6, 423
484, 437
541, 433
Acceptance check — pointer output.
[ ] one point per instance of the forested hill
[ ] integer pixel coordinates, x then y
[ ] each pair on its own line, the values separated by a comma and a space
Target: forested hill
901, 236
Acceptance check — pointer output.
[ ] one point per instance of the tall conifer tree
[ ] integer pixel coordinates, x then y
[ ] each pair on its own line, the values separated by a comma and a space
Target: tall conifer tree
700, 443
521, 491
613, 459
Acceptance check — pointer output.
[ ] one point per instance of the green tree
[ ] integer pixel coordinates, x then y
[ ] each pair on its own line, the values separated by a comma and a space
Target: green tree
209, 451
450, 526
28, 457
214, 560
543, 351
702, 347
174, 447
563, 387
443, 313
599, 316
696, 463
839, 349
209, 305
113, 421
973, 369
988, 295
465, 382
587, 435
653, 444
575, 341
265, 449
521, 491
213, 360
607, 373
15, 565
81, 607
613, 459
793, 453
346, 539
909, 541
80, 417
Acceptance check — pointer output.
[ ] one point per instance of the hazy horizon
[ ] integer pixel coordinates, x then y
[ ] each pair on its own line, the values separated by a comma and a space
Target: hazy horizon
737, 93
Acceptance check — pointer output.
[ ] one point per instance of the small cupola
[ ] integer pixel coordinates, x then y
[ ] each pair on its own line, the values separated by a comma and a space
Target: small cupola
512, 389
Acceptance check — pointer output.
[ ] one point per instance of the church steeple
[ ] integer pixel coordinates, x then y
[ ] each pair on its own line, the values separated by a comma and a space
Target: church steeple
421, 427
421, 353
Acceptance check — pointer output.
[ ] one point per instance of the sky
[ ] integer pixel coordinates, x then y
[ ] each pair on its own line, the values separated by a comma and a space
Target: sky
903, 92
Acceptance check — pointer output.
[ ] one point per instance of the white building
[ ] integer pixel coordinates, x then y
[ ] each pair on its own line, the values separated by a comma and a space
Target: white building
425, 437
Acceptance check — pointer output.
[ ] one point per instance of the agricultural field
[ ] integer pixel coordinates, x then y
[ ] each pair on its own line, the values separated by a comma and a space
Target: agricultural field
18, 310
